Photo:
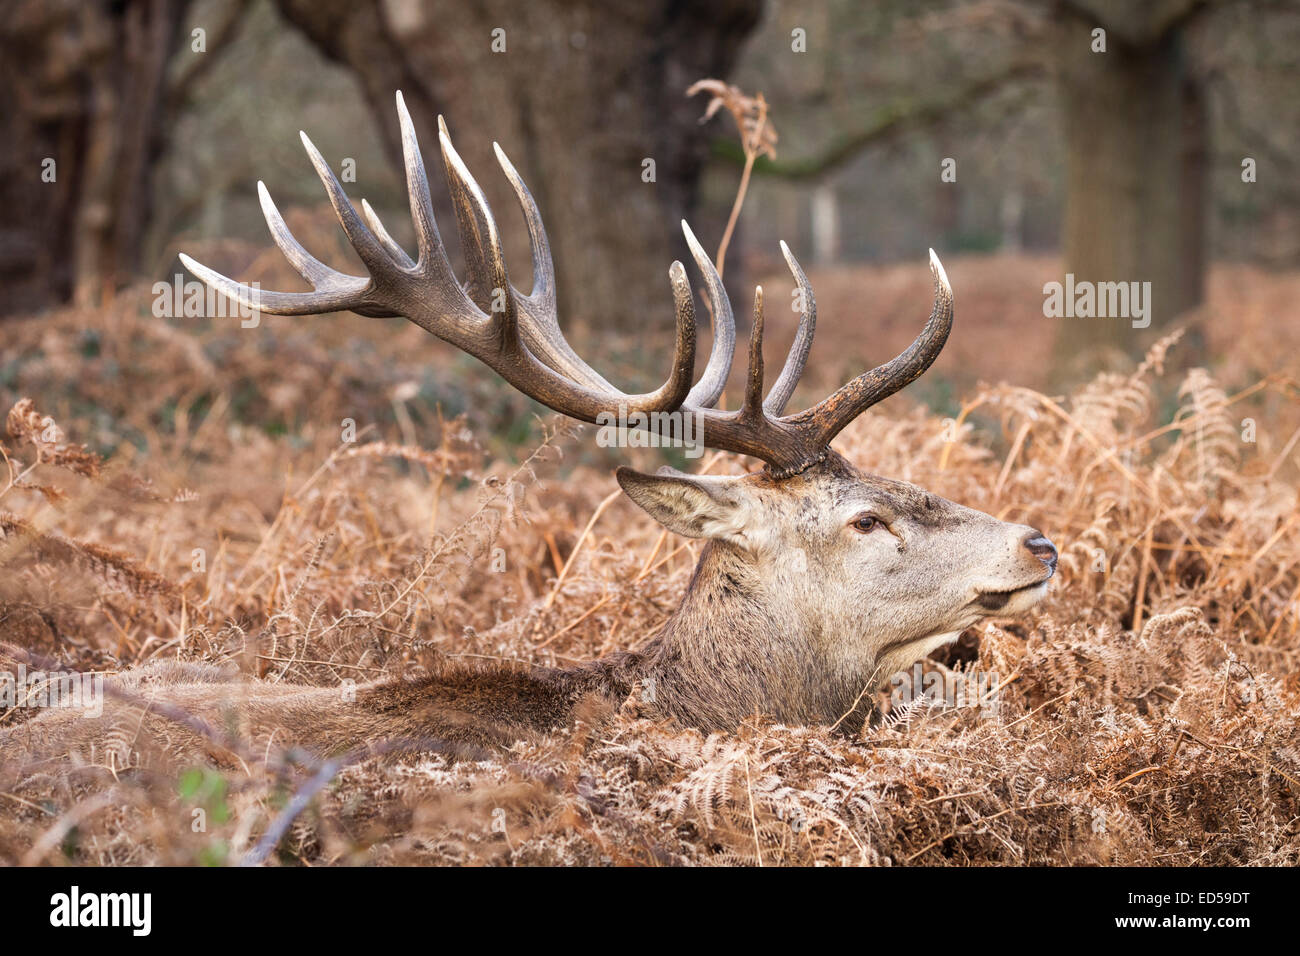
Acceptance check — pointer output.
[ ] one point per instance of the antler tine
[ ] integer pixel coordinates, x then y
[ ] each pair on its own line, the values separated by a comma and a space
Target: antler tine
676, 389
427, 238
752, 407
539, 319
333, 290
366, 245
396, 252
480, 241
709, 388
543, 265
786, 382
828, 417
307, 265
330, 295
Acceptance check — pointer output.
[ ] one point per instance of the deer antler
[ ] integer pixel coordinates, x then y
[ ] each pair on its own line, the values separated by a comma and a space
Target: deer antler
521, 340
792, 443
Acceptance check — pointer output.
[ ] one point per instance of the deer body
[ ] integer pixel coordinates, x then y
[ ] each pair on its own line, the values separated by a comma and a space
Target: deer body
816, 584
793, 614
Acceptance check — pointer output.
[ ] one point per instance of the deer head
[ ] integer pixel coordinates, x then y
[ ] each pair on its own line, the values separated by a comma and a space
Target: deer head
833, 579
818, 582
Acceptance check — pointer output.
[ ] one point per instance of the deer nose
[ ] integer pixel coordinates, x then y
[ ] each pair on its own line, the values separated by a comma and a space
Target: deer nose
1041, 548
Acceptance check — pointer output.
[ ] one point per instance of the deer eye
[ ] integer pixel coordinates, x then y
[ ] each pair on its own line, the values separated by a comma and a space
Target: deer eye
867, 523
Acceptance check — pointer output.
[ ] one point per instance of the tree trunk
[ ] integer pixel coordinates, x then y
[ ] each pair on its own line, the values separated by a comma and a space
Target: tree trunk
582, 95
1136, 146
84, 88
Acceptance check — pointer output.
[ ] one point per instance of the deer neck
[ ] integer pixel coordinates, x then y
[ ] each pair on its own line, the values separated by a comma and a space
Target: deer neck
730, 652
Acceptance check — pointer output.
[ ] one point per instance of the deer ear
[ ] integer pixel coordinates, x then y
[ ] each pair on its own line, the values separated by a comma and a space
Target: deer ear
697, 506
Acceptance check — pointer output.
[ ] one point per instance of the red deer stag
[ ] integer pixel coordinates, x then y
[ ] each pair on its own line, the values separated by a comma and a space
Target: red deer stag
886, 572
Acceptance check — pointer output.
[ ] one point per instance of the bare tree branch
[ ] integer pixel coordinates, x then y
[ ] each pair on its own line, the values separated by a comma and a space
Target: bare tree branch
892, 121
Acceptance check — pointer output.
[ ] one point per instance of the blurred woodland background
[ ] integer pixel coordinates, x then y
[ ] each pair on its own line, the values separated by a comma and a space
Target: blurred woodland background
1127, 163
313, 500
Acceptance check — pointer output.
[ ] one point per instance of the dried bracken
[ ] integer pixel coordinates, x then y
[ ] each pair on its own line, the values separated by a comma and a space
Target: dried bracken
1147, 715
24, 422
749, 112
758, 138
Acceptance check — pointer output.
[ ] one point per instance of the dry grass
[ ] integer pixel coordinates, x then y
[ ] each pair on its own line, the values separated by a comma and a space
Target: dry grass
1146, 715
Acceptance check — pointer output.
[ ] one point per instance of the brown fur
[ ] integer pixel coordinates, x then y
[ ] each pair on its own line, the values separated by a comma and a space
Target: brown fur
753, 636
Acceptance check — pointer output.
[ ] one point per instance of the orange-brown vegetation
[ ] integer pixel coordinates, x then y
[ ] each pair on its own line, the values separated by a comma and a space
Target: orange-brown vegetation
179, 490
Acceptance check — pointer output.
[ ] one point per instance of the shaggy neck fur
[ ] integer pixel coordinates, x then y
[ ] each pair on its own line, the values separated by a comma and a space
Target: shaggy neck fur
729, 652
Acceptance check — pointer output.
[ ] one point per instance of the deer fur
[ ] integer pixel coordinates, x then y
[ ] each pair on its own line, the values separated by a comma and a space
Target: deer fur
791, 614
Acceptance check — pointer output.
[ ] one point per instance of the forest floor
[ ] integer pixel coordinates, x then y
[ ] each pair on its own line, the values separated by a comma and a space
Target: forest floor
1145, 714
